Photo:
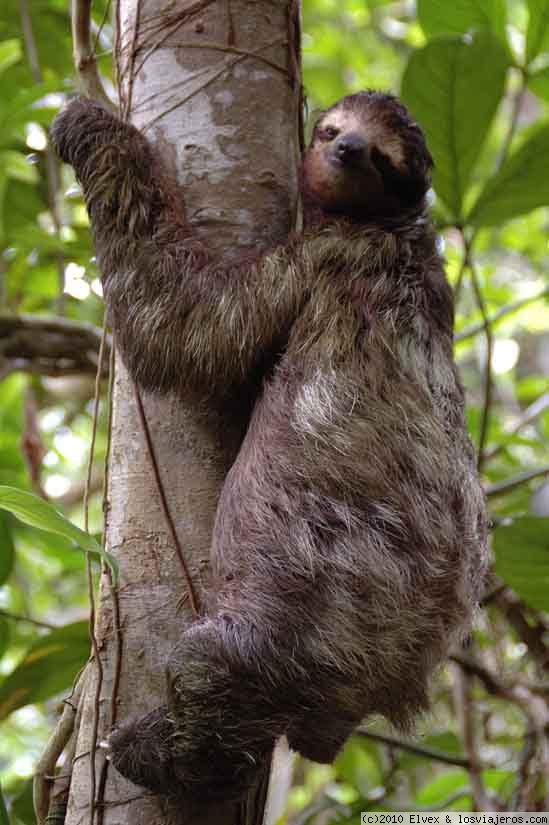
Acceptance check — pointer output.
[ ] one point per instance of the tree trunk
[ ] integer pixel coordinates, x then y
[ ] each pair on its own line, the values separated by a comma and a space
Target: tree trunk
216, 87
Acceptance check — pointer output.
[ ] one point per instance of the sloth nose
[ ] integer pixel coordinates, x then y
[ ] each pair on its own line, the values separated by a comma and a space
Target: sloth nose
350, 148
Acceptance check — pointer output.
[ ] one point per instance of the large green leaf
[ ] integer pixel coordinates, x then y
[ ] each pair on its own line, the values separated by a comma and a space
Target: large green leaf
537, 36
7, 551
36, 512
522, 558
437, 86
48, 668
522, 183
461, 16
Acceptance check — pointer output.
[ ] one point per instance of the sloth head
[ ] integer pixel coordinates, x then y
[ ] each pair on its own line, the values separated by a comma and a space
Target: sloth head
367, 160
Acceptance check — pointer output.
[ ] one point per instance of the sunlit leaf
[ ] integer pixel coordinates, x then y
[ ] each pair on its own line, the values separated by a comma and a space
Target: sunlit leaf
461, 16
437, 87
537, 34
522, 184
48, 668
358, 764
443, 786
36, 512
16, 166
522, 558
10, 53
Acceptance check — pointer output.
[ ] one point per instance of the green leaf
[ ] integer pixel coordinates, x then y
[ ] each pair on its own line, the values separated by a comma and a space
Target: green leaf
461, 16
48, 668
538, 82
538, 28
16, 166
10, 53
437, 86
21, 107
36, 512
522, 183
7, 550
4, 818
443, 786
522, 558
358, 764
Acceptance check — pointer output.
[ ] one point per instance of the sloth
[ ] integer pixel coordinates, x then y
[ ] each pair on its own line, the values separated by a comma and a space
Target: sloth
349, 547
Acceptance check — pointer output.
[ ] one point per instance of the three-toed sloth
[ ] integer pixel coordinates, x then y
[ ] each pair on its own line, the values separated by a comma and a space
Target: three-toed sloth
350, 541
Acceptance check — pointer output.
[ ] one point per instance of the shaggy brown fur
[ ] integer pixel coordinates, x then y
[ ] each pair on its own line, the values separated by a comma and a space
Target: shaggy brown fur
350, 541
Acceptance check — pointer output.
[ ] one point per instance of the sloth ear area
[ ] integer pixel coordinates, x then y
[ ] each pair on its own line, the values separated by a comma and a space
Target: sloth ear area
313, 122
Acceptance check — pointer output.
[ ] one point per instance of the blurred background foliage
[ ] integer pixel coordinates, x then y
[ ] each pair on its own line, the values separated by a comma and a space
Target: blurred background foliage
476, 75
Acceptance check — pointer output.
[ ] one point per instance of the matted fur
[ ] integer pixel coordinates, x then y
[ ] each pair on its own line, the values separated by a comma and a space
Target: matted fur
350, 542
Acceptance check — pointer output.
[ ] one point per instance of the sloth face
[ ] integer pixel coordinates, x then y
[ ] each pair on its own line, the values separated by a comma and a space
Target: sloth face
367, 158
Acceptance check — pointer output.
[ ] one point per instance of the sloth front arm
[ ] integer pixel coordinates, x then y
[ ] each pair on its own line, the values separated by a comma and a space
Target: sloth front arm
181, 317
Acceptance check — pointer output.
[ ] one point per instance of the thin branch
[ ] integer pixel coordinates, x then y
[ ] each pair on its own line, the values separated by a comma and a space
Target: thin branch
466, 709
488, 377
45, 345
504, 312
509, 484
527, 417
534, 708
45, 767
16, 617
491, 681
411, 747
84, 54
75, 494
533, 635
91, 595
193, 599
113, 592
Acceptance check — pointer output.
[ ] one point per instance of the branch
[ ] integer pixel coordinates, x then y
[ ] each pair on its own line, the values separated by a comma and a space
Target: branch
509, 484
419, 750
488, 377
466, 714
504, 312
16, 617
75, 494
527, 417
44, 345
84, 54
533, 635
45, 767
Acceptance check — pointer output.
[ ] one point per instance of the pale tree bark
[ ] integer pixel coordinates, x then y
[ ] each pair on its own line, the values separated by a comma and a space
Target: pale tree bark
215, 85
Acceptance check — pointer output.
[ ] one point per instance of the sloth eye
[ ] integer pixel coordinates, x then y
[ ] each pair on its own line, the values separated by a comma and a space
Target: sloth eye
329, 133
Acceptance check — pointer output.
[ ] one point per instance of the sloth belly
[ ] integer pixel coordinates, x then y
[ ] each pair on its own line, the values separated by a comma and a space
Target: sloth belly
334, 481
